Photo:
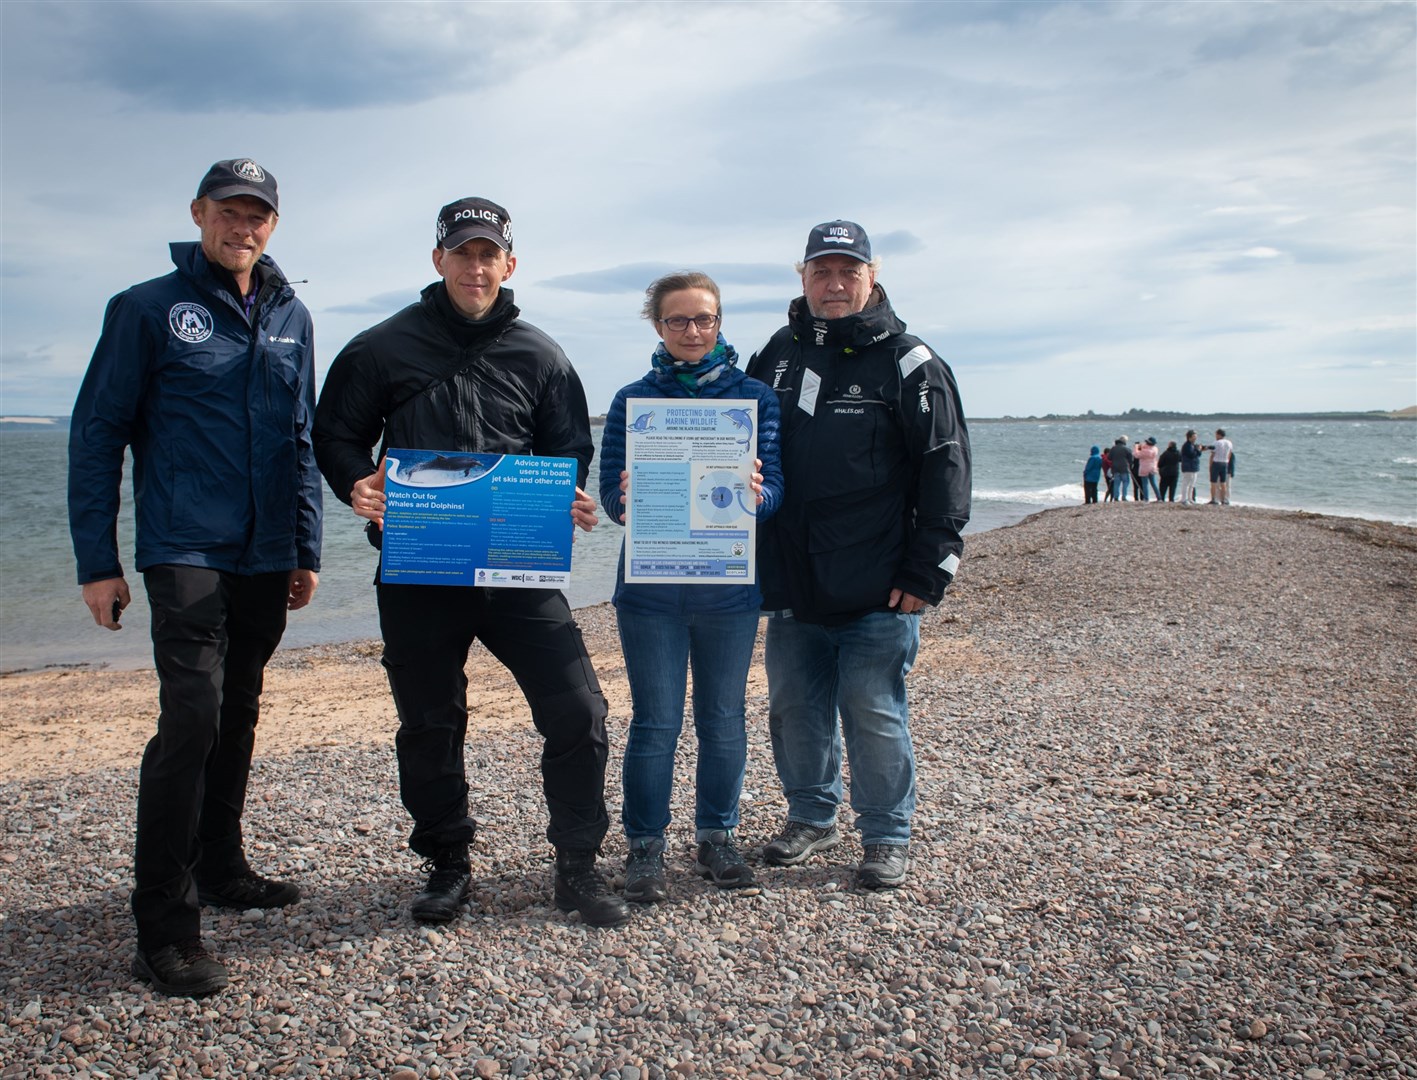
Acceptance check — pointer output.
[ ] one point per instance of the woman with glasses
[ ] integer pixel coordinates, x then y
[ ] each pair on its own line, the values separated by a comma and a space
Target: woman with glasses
666, 630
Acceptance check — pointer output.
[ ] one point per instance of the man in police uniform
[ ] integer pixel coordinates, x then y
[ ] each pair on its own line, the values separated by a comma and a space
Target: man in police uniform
460, 371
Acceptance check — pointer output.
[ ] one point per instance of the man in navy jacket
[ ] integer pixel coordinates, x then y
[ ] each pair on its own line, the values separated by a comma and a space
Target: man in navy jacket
208, 375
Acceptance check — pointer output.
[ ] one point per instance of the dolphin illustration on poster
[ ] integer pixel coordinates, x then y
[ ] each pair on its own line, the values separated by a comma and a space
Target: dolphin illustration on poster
743, 421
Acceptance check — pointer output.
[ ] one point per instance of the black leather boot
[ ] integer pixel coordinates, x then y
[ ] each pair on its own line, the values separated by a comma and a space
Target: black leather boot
579, 887
184, 969
449, 878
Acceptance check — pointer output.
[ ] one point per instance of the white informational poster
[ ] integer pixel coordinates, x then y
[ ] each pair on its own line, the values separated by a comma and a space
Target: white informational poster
691, 510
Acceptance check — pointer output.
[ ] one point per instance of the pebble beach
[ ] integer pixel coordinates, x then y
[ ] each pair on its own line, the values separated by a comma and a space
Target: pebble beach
1167, 787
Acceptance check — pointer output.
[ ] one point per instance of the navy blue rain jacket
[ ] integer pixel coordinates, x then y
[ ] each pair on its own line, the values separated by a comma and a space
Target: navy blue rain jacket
217, 409
1092, 471
683, 599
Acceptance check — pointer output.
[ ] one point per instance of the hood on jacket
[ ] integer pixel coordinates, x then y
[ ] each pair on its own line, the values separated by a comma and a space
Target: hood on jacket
1095, 450
876, 322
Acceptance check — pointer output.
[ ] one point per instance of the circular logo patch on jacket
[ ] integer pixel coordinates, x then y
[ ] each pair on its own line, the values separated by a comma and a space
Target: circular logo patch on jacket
190, 322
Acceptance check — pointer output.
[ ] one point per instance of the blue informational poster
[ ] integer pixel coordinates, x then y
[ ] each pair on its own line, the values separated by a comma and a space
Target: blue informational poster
691, 509
499, 520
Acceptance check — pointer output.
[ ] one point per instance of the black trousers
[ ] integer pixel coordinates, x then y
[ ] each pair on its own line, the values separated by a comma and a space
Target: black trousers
428, 630
1168, 487
1089, 491
212, 635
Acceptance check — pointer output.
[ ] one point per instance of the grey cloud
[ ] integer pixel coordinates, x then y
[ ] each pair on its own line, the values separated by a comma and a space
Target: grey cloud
1238, 44
288, 57
381, 304
634, 277
1030, 345
967, 13
31, 383
775, 306
1240, 263
25, 361
627, 277
1369, 51
899, 242
1323, 254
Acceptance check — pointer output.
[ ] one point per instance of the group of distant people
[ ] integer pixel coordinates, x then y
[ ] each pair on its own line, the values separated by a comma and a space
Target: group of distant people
1147, 472
862, 486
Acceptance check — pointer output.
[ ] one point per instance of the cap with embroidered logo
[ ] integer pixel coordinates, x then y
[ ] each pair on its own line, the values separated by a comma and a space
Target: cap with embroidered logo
838, 238
239, 176
461, 221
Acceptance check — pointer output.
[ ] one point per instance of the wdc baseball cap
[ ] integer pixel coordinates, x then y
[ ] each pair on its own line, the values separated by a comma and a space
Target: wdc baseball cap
838, 238
460, 221
239, 176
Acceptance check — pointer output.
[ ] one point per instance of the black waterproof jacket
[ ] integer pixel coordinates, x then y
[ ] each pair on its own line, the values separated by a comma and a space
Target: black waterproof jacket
875, 462
428, 379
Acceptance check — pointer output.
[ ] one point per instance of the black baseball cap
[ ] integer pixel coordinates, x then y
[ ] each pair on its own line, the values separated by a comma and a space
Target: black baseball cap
239, 176
838, 238
460, 221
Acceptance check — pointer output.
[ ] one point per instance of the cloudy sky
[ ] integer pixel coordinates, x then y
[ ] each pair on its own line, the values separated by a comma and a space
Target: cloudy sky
1192, 206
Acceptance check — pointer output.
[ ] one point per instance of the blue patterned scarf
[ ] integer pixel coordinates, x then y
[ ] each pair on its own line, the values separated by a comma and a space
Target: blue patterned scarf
695, 376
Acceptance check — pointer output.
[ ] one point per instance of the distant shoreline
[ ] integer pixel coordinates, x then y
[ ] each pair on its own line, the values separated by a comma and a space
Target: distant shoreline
1136, 416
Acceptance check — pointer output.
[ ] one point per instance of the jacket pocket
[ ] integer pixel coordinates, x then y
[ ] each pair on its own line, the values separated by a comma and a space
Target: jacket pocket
854, 549
282, 367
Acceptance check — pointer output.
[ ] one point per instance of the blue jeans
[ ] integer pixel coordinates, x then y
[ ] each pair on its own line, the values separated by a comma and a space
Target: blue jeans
1121, 484
659, 650
857, 670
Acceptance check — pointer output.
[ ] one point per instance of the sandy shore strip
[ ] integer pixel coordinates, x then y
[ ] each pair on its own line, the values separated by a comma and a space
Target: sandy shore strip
1166, 829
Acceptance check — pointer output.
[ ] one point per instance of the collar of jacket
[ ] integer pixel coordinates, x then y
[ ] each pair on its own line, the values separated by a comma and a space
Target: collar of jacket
191, 260
468, 331
876, 322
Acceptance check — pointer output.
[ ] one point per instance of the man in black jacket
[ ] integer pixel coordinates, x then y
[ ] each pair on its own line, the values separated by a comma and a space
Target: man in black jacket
459, 371
875, 458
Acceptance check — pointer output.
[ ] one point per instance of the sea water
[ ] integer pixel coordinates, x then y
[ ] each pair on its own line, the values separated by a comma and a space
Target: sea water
1359, 468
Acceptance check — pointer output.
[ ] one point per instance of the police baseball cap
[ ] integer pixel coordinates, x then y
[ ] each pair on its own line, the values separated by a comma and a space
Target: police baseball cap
838, 238
461, 221
239, 176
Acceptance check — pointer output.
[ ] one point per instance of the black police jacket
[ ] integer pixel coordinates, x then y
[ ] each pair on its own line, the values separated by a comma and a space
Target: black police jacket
428, 379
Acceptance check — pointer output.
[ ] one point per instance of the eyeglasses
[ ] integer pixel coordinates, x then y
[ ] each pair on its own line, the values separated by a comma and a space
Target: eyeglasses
680, 323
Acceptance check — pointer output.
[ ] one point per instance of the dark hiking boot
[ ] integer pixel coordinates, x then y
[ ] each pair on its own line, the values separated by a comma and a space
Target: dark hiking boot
883, 866
644, 872
579, 887
449, 879
182, 969
250, 890
798, 842
718, 860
